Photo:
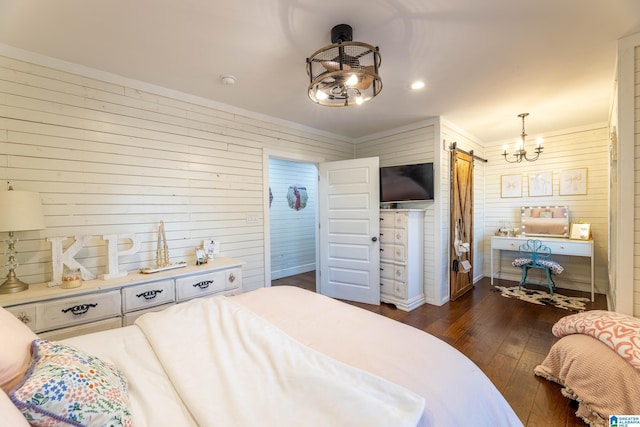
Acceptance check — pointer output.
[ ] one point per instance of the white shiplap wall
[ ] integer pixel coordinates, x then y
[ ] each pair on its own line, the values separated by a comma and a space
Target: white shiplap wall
293, 232
587, 147
405, 146
112, 155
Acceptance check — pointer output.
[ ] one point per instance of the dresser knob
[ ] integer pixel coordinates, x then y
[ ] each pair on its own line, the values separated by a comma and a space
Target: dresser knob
23, 317
232, 278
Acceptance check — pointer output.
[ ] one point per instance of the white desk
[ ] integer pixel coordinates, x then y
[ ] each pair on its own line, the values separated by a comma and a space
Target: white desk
558, 246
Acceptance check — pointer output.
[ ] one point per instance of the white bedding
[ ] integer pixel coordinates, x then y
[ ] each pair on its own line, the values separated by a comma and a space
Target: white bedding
456, 392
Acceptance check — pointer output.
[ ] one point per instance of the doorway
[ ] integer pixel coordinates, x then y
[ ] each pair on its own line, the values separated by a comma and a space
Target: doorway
293, 198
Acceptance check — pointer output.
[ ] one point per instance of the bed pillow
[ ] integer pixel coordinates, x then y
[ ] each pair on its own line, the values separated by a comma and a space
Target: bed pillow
9, 414
619, 331
66, 386
15, 351
596, 377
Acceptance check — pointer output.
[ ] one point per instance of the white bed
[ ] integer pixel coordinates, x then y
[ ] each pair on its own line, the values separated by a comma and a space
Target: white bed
333, 364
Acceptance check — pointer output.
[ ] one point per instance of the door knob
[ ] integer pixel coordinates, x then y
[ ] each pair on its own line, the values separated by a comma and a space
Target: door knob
374, 239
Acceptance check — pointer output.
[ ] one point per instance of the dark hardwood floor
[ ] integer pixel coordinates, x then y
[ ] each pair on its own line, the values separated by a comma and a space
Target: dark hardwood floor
506, 338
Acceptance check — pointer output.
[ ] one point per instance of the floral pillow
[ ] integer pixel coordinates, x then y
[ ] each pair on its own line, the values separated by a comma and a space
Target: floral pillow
619, 331
65, 386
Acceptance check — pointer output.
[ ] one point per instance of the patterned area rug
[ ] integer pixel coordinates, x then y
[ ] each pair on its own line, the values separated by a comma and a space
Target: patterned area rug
543, 298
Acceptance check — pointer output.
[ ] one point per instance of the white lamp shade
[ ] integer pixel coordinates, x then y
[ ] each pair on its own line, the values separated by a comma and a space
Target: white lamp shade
20, 211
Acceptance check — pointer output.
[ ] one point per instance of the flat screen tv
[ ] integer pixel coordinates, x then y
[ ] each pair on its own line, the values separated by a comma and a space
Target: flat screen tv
406, 183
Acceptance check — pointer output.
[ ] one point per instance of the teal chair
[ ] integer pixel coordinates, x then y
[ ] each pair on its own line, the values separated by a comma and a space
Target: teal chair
533, 254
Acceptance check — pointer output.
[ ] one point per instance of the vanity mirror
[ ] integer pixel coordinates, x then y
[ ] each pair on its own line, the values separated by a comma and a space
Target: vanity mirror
549, 221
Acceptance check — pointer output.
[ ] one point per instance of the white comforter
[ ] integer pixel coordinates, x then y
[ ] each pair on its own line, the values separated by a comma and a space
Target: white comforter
232, 368
455, 390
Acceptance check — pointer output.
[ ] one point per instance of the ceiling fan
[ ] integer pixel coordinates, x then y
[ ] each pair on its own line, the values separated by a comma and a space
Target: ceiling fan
345, 72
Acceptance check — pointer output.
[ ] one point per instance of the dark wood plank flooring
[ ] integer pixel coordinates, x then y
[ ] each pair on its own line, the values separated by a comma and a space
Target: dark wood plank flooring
506, 338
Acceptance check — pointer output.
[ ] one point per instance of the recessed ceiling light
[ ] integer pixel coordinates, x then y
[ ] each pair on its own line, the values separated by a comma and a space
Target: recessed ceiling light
417, 85
228, 79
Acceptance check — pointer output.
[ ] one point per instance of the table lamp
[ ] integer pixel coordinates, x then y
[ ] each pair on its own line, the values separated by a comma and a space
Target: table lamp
19, 211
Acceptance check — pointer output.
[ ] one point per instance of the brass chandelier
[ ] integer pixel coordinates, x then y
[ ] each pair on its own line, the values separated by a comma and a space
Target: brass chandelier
519, 152
345, 72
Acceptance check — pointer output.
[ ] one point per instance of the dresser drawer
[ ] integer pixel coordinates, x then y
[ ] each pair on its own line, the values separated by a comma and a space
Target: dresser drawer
88, 328
76, 310
400, 289
393, 236
387, 219
26, 313
233, 278
393, 253
148, 295
386, 287
400, 220
392, 288
200, 285
393, 271
130, 318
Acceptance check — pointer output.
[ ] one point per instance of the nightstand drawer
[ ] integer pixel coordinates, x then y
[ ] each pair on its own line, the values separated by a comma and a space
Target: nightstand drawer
76, 310
148, 295
26, 313
201, 285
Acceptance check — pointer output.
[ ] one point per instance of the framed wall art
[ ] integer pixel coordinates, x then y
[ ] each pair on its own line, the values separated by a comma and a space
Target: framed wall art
580, 231
573, 182
511, 186
541, 184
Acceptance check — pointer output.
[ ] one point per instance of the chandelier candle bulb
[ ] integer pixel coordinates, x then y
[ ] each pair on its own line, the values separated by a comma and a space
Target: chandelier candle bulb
519, 150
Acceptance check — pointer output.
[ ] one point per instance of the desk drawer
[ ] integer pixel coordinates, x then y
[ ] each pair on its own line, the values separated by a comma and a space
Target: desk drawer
200, 285
570, 248
76, 310
148, 295
507, 244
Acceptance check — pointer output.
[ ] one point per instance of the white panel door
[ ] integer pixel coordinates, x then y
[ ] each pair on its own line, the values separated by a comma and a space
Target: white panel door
349, 230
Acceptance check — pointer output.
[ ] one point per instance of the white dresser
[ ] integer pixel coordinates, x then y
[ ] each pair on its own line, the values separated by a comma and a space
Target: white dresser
56, 313
401, 257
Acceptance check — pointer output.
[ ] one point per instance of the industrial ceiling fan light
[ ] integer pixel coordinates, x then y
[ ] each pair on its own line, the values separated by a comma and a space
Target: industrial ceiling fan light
345, 71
